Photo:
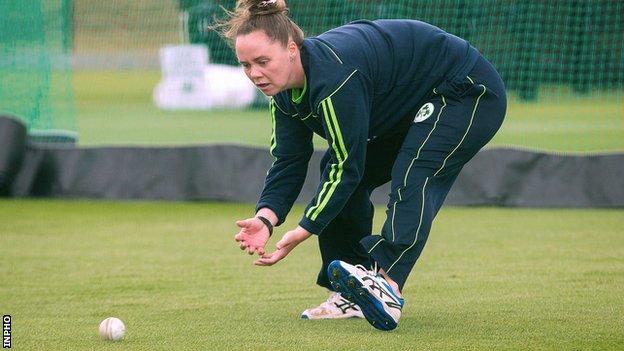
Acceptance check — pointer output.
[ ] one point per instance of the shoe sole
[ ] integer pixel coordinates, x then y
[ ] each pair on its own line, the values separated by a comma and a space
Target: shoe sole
324, 319
353, 290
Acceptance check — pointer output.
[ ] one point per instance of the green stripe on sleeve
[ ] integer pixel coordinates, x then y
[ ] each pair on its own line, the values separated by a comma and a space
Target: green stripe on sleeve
331, 173
337, 130
341, 154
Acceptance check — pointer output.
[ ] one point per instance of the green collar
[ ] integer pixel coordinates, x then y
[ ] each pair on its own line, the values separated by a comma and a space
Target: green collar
297, 94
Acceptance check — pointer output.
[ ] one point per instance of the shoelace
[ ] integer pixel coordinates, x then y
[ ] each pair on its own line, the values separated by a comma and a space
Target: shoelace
375, 273
368, 271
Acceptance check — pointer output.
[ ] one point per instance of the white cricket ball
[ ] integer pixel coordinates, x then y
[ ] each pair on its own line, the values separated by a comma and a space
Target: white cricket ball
112, 329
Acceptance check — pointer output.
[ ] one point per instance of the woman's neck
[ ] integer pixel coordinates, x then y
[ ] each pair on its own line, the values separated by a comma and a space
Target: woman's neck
298, 78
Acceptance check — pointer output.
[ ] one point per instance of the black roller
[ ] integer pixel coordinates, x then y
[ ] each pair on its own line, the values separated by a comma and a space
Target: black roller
12, 149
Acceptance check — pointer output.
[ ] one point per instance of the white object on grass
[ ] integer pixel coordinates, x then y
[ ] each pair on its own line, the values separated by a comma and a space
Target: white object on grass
112, 329
189, 82
182, 85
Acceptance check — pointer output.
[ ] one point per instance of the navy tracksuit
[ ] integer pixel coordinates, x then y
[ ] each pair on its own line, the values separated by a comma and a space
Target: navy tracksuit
396, 100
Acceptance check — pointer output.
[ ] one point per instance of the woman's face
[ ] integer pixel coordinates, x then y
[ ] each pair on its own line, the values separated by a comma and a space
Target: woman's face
268, 64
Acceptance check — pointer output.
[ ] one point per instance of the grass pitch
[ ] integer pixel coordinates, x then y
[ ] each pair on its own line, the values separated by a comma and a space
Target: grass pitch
115, 107
498, 279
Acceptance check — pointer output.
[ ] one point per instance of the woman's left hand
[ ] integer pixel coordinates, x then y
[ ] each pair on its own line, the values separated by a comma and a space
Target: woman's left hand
284, 246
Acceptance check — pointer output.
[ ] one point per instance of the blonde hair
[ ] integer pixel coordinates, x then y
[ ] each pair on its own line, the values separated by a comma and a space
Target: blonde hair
270, 16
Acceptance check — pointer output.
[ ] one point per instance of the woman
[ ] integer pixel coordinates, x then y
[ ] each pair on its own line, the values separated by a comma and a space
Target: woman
396, 100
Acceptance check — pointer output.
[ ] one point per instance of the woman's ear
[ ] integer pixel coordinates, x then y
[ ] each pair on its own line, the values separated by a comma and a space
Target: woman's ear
293, 50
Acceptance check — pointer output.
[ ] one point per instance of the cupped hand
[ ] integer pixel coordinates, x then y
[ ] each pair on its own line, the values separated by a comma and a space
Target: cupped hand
288, 242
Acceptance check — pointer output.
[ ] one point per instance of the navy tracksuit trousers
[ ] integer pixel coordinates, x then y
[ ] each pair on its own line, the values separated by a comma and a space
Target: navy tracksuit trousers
422, 159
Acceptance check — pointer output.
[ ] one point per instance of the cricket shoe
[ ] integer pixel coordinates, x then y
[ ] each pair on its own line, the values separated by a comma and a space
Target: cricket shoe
335, 307
379, 303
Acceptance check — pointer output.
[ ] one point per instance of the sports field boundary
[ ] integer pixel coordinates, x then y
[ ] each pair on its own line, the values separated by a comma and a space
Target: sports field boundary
496, 176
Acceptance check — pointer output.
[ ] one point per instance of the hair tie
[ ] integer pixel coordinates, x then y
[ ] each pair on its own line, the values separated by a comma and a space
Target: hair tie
266, 3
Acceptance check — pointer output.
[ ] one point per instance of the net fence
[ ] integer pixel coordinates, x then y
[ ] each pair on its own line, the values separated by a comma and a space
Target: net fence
35, 67
150, 71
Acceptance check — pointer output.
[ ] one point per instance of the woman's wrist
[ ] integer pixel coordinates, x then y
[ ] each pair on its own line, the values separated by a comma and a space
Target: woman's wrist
268, 214
267, 223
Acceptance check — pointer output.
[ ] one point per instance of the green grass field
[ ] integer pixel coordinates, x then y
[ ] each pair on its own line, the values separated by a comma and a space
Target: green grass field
116, 108
489, 279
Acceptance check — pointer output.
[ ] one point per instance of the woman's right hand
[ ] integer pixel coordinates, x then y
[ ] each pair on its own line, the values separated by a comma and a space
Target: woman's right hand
253, 235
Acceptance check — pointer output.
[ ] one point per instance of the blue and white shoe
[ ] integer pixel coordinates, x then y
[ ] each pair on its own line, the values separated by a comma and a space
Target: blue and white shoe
379, 303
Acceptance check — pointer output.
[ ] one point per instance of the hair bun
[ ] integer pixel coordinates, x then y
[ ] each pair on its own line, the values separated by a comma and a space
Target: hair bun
266, 7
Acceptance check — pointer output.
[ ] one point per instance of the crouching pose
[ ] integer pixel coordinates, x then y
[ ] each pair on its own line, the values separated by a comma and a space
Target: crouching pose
396, 100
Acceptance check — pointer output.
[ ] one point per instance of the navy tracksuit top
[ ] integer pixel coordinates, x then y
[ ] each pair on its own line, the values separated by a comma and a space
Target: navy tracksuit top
362, 79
